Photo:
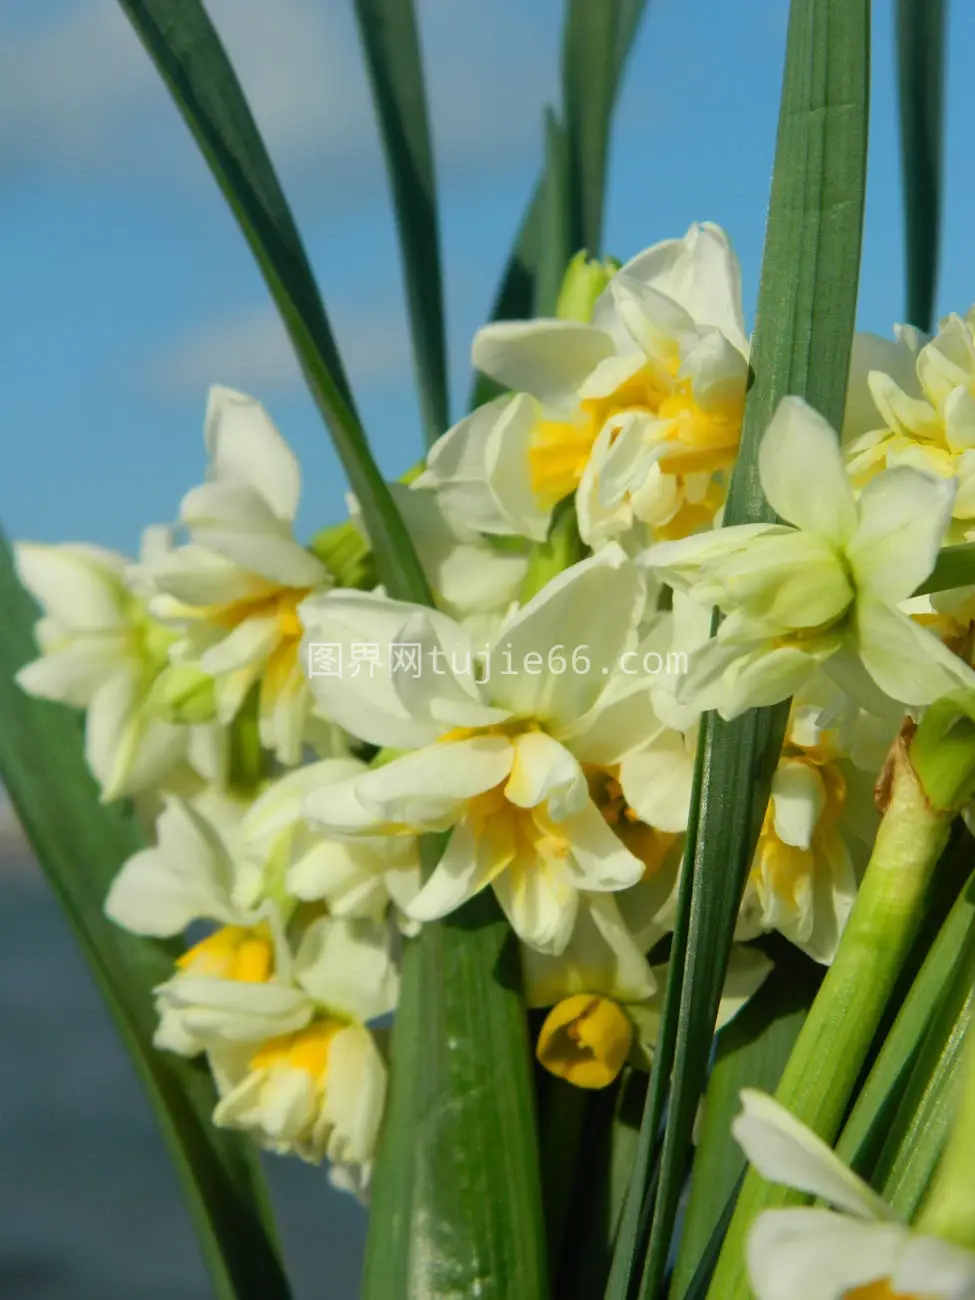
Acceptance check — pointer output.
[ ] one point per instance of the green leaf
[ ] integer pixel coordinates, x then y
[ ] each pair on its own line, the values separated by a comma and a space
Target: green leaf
556, 247
751, 1053
923, 1119
80, 846
805, 318
187, 52
596, 41
389, 36
920, 67
870, 1120
457, 1207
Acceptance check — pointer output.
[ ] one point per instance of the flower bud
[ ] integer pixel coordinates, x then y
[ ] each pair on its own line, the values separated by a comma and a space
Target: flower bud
585, 1040
183, 693
585, 279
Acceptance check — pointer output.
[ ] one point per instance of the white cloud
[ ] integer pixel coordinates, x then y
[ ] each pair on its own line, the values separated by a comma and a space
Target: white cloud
252, 351
77, 91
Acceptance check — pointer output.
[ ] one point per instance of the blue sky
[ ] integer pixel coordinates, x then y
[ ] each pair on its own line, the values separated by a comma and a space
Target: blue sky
127, 288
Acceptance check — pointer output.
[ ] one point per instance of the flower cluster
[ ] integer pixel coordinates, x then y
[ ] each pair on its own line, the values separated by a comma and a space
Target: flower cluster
284, 803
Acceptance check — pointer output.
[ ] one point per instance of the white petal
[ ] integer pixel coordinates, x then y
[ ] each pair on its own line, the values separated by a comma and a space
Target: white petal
244, 446
362, 696
701, 273
905, 660
903, 517
818, 1255
784, 1151
74, 673
601, 957
247, 644
598, 859
429, 786
80, 586
547, 358
657, 782
220, 1010
540, 904
545, 772
463, 871
871, 352
187, 876
616, 725
355, 1094
509, 472
553, 659
347, 967
928, 1264
798, 799
236, 521
802, 472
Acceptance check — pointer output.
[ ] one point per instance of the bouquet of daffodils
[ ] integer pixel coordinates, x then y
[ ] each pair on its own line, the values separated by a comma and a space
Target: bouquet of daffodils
567, 850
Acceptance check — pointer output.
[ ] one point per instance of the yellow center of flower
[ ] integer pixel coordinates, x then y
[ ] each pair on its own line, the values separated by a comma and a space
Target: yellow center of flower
585, 1040
698, 441
306, 1050
645, 842
234, 952
879, 1291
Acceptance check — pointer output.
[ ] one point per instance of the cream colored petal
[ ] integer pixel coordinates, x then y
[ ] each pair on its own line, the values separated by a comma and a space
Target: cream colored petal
545, 681
545, 772
818, 1255
784, 1151
463, 871
657, 782
540, 904
244, 446
902, 519
597, 859
79, 585
802, 472
905, 660
348, 967
549, 359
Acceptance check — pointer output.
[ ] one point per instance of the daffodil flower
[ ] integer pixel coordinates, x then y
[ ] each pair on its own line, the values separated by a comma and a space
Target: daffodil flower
101, 651
502, 758
920, 410
822, 589
636, 410
857, 1249
233, 589
316, 1089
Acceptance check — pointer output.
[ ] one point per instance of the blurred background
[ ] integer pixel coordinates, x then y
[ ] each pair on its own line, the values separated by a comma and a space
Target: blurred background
127, 291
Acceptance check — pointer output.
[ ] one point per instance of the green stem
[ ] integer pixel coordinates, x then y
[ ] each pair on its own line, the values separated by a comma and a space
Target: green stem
829, 1054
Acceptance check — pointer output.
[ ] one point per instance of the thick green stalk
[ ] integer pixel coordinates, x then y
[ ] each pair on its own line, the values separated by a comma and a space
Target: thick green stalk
830, 1052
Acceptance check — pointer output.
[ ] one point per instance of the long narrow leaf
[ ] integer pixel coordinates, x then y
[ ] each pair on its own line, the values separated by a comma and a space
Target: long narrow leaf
870, 1120
596, 41
186, 50
555, 244
806, 311
923, 1120
920, 66
389, 37
751, 1053
458, 1208
81, 845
